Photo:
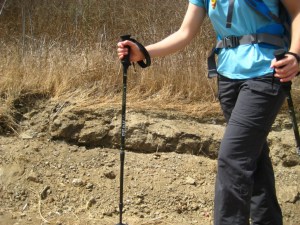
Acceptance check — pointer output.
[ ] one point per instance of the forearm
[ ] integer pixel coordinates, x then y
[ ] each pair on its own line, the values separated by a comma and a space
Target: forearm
189, 28
293, 7
295, 44
287, 68
175, 42
169, 45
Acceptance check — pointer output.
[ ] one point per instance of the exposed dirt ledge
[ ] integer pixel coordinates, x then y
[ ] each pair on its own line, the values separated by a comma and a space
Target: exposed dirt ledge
147, 131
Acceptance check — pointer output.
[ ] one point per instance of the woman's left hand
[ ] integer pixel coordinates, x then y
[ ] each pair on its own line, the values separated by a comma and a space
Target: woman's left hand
286, 69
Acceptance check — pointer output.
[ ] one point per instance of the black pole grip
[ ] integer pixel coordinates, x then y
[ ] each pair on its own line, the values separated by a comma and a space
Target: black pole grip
126, 60
279, 54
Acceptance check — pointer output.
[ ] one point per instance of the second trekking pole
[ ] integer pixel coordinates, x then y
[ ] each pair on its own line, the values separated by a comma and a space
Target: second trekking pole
279, 54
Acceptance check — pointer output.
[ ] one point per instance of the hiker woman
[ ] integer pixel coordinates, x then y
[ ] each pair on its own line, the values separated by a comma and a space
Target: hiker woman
249, 95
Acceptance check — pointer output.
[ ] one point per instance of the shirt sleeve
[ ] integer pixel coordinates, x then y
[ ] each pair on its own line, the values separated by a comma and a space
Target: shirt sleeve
199, 3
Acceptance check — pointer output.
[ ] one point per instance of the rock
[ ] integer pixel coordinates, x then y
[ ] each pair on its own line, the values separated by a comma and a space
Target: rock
89, 186
289, 194
190, 181
110, 174
78, 182
45, 192
90, 202
34, 177
26, 135
92, 133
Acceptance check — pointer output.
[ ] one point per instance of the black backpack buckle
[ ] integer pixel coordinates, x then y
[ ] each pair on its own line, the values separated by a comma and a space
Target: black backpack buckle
231, 41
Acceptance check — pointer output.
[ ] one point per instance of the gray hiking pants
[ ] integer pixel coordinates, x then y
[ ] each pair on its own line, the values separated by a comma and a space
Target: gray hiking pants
245, 185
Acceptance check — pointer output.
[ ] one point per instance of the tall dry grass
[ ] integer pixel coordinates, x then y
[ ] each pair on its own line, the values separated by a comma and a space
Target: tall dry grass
67, 50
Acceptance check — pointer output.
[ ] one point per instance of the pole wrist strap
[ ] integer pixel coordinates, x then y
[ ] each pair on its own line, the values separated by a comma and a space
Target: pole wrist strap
145, 53
295, 55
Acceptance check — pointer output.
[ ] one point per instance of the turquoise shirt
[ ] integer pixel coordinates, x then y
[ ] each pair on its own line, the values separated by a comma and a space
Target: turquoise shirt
245, 61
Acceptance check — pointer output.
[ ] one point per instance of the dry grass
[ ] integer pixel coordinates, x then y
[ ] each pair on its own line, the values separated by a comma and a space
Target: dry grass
67, 49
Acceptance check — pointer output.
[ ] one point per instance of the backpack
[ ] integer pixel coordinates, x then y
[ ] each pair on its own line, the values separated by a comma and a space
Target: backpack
267, 37
283, 18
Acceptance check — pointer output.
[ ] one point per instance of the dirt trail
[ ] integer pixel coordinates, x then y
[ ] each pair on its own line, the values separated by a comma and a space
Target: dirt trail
63, 168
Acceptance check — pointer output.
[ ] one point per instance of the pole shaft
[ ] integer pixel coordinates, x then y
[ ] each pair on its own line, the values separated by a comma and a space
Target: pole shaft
126, 63
122, 150
294, 120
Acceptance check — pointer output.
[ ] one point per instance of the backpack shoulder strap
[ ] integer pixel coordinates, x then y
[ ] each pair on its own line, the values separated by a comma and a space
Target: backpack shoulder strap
261, 8
229, 14
206, 5
283, 18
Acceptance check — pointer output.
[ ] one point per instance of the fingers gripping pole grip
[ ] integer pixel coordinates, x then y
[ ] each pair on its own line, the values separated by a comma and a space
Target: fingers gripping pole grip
126, 60
280, 53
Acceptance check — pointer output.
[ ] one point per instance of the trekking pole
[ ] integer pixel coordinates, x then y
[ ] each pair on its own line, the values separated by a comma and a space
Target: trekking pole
279, 54
126, 63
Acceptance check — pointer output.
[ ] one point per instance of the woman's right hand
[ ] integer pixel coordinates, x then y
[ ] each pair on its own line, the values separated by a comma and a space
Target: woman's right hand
135, 53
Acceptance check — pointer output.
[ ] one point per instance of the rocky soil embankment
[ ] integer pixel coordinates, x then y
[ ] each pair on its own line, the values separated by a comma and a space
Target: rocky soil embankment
63, 167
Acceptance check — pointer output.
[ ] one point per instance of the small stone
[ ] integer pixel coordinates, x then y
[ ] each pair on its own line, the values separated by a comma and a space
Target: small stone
190, 181
90, 202
33, 177
89, 186
78, 182
45, 192
110, 175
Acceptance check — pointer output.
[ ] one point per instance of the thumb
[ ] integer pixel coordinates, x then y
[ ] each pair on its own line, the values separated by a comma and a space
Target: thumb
127, 43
